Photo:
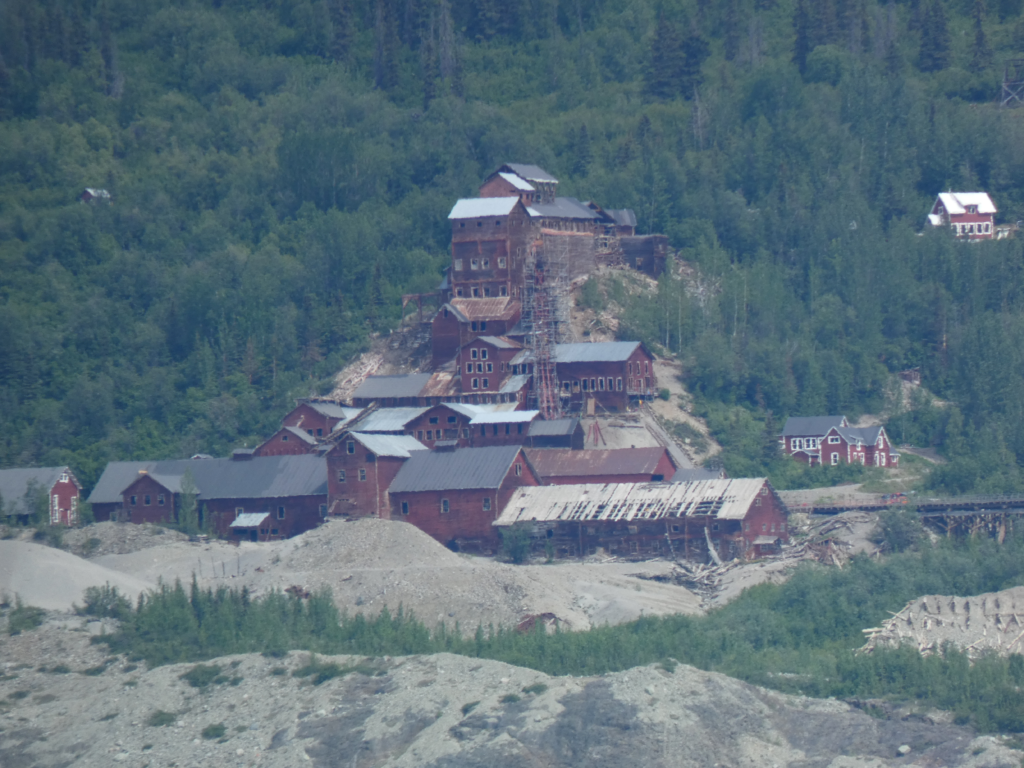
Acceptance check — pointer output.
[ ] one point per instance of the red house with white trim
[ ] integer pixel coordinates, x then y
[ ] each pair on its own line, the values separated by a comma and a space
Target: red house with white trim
22, 492
970, 215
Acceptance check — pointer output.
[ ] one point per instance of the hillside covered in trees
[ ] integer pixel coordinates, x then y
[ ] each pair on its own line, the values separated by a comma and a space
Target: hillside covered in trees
280, 173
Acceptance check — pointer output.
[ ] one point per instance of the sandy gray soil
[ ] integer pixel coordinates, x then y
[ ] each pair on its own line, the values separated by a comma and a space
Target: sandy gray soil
433, 712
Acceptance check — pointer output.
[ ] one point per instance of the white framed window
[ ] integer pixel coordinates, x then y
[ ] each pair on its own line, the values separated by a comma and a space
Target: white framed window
469, 367
484, 382
833, 439
280, 513
835, 459
239, 510
483, 354
490, 367
351, 446
503, 291
519, 469
479, 367
797, 443
64, 477
476, 383
474, 263
618, 384
362, 475
501, 262
341, 475
473, 352
458, 268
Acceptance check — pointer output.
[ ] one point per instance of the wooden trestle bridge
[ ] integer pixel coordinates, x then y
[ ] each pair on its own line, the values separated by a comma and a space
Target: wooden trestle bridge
964, 515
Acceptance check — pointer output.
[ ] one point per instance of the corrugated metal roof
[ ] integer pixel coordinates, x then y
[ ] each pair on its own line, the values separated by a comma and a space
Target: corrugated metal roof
14, 485
331, 409
562, 208
259, 477
495, 308
554, 427
809, 426
505, 417
249, 519
400, 446
401, 385
563, 462
517, 181
387, 419
722, 499
514, 384
481, 207
463, 468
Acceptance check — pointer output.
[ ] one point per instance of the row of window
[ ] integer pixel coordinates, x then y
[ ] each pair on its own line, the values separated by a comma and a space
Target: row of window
475, 292
475, 264
474, 353
446, 506
147, 500
973, 229
497, 223
480, 367
629, 368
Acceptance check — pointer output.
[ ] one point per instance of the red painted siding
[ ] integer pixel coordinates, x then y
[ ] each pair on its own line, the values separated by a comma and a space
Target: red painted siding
146, 501
64, 500
301, 513
312, 422
284, 443
358, 482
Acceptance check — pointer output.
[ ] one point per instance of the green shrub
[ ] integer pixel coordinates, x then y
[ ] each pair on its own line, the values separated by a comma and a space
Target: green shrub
201, 675
278, 671
214, 731
515, 544
536, 688
509, 698
664, 394
103, 602
467, 708
24, 617
321, 672
159, 719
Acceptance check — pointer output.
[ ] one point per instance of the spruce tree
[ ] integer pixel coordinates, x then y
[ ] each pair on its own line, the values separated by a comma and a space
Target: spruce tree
731, 37
667, 61
584, 157
981, 54
934, 55
802, 31
695, 53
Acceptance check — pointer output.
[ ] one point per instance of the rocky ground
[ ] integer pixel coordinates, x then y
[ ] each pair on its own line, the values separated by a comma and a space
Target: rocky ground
64, 703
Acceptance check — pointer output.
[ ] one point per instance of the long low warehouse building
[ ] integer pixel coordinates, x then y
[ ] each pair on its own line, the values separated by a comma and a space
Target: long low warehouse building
741, 517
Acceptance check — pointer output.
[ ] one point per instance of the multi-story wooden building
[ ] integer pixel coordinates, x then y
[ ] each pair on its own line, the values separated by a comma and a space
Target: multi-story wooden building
360, 467
455, 494
737, 518
460, 321
490, 238
279, 496
830, 440
50, 492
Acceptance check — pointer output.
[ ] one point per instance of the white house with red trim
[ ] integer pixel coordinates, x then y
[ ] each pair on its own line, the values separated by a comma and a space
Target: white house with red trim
969, 215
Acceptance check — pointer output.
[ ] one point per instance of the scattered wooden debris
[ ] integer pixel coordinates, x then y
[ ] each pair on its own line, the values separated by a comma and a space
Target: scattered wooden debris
300, 592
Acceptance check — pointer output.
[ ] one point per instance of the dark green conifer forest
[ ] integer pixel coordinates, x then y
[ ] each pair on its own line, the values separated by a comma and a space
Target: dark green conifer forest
281, 172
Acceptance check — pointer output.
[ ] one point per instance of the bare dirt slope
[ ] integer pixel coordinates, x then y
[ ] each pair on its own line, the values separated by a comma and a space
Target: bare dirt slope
993, 622
372, 563
439, 711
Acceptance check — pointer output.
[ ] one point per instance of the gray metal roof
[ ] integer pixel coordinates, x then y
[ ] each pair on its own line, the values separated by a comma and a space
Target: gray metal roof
331, 409
401, 385
301, 434
498, 341
811, 426
554, 427
400, 446
595, 352
387, 419
563, 208
504, 417
530, 172
565, 462
14, 485
271, 477
624, 217
463, 468
863, 435
514, 384
720, 499
481, 207
249, 519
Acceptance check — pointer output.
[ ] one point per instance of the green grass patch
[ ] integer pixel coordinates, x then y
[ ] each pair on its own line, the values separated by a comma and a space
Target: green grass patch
536, 688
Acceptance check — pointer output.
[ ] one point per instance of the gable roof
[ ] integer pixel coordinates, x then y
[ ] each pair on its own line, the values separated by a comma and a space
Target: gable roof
479, 207
387, 419
401, 385
463, 468
271, 477
563, 462
529, 172
811, 426
720, 499
861, 435
304, 436
330, 409
624, 217
14, 484
956, 203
